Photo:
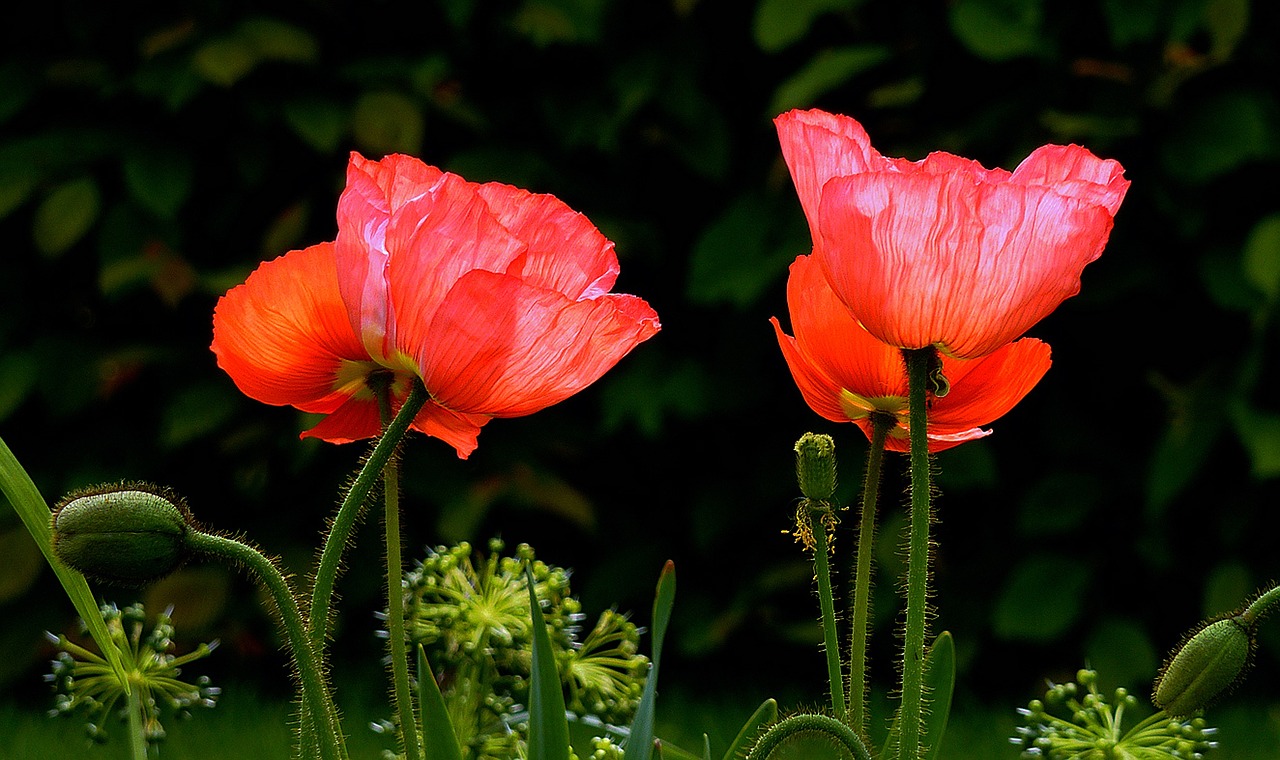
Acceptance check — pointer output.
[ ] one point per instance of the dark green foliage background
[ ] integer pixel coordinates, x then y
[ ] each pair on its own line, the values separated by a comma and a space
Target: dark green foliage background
152, 155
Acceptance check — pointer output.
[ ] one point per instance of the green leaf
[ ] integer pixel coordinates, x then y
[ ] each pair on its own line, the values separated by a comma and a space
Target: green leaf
65, 215
196, 411
438, 739
1226, 21
34, 512
548, 727
1041, 600
225, 61
779, 23
998, 30
1197, 415
733, 261
640, 744
277, 41
388, 122
546, 22
764, 715
1121, 652
1220, 133
1132, 20
826, 71
1262, 256
939, 684
320, 123
19, 372
17, 180
159, 179
1260, 433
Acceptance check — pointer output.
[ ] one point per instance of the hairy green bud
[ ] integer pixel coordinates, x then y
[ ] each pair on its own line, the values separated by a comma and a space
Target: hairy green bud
128, 534
1210, 663
816, 466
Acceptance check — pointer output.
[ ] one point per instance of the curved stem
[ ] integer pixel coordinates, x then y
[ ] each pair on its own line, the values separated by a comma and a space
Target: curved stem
822, 569
880, 426
315, 694
800, 726
1260, 606
912, 707
407, 724
344, 521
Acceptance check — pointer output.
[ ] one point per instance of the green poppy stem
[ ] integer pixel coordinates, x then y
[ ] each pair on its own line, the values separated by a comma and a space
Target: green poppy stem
858, 636
137, 731
348, 514
822, 569
918, 549
316, 701
406, 724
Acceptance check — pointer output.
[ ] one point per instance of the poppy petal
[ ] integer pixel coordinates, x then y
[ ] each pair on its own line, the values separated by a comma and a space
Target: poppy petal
988, 387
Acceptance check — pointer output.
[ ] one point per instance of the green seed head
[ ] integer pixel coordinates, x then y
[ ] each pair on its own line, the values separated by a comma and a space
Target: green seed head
816, 466
128, 534
1212, 662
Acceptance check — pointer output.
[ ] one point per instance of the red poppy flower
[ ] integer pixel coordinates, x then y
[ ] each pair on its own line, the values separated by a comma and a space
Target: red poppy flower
497, 298
942, 251
846, 375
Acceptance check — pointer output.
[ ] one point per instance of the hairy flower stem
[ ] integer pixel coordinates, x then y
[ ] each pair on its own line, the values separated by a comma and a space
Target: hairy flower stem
880, 426
912, 706
137, 735
406, 724
344, 521
316, 700
1260, 606
822, 569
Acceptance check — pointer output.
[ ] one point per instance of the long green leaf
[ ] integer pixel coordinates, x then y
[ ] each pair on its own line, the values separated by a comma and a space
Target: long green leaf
640, 743
765, 714
939, 684
438, 739
548, 726
34, 511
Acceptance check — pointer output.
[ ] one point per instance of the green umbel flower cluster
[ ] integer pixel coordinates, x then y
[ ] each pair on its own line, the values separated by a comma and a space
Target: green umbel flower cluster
470, 612
86, 685
1075, 721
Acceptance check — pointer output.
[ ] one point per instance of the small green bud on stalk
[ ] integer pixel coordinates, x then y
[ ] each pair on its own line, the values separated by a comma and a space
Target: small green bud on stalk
128, 534
816, 466
1209, 664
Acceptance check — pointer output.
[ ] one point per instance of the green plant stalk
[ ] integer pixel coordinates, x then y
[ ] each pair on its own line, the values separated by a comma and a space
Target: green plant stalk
349, 512
22, 493
1260, 606
401, 690
137, 737
316, 700
822, 569
858, 636
912, 706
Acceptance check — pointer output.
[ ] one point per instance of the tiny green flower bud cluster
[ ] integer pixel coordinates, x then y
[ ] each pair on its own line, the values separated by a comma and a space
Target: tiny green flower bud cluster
1075, 721
127, 534
471, 614
85, 684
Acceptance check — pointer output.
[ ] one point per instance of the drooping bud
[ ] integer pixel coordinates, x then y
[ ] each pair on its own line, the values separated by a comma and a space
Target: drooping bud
816, 466
1210, 663
127, 533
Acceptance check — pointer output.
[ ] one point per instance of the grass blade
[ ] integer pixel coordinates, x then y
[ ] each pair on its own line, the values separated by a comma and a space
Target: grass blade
640, 745
438, 739
764, 715
548, 726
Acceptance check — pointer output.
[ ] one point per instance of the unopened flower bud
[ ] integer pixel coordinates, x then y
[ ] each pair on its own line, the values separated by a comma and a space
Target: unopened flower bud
128, 534
1210, 663
816, 466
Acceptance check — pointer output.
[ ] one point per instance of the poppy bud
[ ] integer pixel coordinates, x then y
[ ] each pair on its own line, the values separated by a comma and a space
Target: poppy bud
816, 466
128, 534
1210, 663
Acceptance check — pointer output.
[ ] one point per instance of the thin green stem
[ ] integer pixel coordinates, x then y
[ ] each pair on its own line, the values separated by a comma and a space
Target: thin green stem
822, 569
316, 700
407, 723
918, 549
1260, 606
137, 732
880, 426
348, 514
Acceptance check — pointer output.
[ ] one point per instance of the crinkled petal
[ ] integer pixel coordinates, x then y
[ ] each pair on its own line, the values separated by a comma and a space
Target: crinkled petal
460, 431
565, 252
1075, 172
355, 420
936, 259
899, 439
500, 347
818, 146
283, 335
984, 389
